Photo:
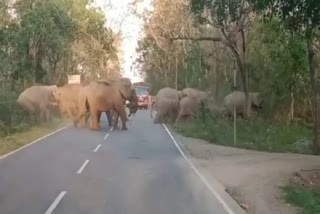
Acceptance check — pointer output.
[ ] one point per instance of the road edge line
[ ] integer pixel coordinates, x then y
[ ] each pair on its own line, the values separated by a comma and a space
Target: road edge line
202, 178
56, 202
33, 142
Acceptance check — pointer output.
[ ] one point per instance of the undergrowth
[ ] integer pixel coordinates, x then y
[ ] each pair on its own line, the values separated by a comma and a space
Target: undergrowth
308, 199
257, 135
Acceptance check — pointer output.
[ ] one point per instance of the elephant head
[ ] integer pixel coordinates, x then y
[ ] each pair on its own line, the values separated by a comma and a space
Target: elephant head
128, 92
133, 105
257, 100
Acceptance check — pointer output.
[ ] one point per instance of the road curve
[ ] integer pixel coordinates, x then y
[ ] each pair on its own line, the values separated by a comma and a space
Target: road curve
78, 171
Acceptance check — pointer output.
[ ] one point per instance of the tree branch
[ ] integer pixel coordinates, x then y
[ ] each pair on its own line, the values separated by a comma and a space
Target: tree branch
205, 38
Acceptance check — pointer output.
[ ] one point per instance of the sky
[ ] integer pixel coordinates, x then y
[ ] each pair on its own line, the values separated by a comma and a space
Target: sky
117, 11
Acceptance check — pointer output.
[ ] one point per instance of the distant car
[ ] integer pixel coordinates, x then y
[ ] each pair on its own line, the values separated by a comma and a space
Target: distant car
143, 95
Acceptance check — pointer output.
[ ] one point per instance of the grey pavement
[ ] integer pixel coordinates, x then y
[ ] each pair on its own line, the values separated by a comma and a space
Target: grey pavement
138, 171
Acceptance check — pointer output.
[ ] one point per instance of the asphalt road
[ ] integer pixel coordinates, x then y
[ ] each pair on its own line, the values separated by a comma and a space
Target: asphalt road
79, 171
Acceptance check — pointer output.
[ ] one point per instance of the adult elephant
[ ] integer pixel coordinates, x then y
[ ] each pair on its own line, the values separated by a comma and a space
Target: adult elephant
38, 99
166, 103
237, 99
103, 95
67, 98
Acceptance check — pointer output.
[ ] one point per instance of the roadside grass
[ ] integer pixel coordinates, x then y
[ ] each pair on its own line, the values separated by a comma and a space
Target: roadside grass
256, 135
307, 199
25, 133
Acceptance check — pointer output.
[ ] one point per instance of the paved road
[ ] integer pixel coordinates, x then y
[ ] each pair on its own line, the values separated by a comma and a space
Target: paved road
78, 171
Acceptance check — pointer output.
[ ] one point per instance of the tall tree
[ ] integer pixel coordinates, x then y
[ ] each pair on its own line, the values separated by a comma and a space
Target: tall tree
302, 17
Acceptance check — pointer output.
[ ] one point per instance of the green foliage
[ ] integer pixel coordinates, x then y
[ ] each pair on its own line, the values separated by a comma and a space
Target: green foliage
303, 197
299, 16
278, 64
192, 72
258, 135
45, 41
224, 11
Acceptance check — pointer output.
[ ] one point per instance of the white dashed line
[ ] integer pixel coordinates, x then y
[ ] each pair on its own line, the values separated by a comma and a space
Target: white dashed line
83, 166
107, 135
55, 203
97, 148
211, 189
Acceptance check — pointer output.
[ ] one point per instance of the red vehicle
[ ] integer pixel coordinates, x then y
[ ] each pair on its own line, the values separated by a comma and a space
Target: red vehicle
143, 96
142, 91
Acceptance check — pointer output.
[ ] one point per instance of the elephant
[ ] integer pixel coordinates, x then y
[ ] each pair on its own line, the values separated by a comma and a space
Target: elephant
166, 102
133, 107
67, 99
200, 95
188, 106
103, 95
238, 99
109, 115
38, 99
190, 101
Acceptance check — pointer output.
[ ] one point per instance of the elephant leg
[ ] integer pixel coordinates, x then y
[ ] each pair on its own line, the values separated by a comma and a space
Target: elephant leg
115, 120
109, 116
120, 111
94, 120
42, 116
47, 115
124, 118
99, 116
83, 120
75, 123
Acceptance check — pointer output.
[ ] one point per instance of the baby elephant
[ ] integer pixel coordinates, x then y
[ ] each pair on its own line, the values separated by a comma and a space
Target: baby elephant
188, 107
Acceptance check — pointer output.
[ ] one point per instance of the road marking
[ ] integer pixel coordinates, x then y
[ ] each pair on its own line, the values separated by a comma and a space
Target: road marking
97, 148
33, 142
211, 189
83, 166
107, 135
55, 203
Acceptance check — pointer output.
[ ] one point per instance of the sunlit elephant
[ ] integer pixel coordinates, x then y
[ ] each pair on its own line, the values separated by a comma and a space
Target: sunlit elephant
103, 95
67, 98
38, 99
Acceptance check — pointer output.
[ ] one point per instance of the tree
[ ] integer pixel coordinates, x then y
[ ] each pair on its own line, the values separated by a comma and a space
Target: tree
301, 17
230, 21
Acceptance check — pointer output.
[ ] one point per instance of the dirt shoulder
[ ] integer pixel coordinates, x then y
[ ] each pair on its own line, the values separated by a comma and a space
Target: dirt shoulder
251, 177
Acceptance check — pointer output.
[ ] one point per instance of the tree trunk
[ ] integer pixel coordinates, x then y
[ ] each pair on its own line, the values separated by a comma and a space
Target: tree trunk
243, 76
176, 76
315, 80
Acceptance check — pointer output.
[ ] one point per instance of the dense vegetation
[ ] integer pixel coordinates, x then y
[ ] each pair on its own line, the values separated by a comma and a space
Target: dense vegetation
200, 43
44, 41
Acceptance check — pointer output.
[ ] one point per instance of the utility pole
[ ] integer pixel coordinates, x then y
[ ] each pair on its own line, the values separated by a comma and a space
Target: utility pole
234, 107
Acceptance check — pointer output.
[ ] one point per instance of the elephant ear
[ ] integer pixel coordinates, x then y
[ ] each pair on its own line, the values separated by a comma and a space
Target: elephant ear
125, 87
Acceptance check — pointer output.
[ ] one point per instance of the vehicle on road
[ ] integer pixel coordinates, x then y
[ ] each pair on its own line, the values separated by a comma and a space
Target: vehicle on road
142, 91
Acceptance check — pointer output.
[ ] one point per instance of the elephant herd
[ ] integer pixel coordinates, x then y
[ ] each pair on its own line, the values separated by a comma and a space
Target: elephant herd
174, 105
76, 101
